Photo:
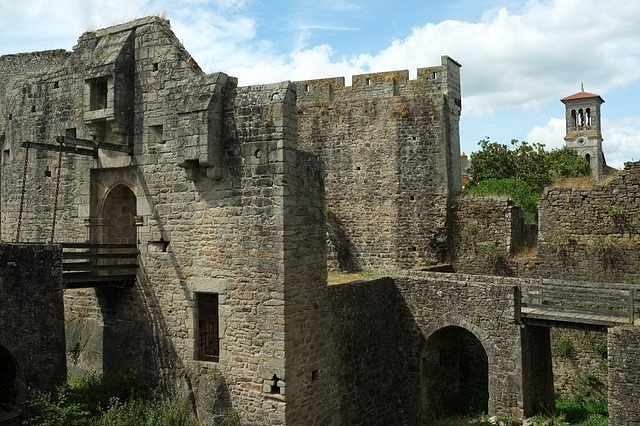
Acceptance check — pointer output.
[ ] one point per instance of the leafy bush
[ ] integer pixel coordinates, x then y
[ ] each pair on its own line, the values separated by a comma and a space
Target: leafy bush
580, 409
515, 189
564, 345
96, 400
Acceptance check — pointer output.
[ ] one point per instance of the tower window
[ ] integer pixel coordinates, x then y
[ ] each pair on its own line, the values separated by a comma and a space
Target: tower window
588, 116
588, 158
574, 118
208, 332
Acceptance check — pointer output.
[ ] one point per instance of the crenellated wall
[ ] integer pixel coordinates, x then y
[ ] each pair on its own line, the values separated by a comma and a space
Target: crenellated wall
390, 146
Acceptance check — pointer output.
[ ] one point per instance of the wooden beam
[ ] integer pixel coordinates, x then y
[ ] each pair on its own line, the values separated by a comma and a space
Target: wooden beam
93, 144
57, 148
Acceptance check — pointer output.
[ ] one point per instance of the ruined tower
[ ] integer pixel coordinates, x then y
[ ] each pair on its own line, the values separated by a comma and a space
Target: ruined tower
583, 130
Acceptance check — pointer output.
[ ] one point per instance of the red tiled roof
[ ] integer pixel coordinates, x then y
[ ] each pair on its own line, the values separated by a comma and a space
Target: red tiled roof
582, 95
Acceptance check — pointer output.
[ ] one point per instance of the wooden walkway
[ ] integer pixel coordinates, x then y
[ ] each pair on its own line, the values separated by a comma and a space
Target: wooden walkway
576, 304
99, 265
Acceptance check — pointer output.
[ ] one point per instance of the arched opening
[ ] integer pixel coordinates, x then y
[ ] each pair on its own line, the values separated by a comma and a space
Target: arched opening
455, 373
588, 117
11, 380
587, 157
118, 216
574, 118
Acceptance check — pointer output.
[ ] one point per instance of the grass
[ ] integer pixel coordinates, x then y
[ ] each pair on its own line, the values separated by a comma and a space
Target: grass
583, 183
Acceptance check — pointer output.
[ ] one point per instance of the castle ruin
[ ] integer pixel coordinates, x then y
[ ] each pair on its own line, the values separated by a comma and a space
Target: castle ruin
195, 219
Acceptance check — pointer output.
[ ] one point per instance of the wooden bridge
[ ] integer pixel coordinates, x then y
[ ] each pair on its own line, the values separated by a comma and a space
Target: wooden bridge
99, 265
560, 303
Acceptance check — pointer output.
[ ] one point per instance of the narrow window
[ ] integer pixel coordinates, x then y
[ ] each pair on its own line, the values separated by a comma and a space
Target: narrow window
574, 119
208, 335
588, 158
307, 88
367, 81
70, 133
154, 67
6, 156
580, 118
434, 75
33, 108
56, 84
588, 114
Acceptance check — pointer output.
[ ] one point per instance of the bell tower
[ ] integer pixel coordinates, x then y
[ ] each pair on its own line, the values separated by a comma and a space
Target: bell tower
583, 131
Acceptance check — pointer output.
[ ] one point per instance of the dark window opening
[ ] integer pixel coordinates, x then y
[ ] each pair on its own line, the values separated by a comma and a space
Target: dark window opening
315, 374
10, 116
588, 116
588, 158
47, 173
70, 133
434, 75
33, 108
6, 156
98, 95
208, 332
154, 67
574, 118
307, 88
56, 84
412, 198
275, 389
367, 81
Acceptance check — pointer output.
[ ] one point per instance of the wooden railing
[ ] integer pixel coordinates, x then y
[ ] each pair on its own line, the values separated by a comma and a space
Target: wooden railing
99, 265
597, 304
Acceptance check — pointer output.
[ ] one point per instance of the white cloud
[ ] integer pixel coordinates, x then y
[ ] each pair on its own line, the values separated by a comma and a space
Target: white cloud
551, 135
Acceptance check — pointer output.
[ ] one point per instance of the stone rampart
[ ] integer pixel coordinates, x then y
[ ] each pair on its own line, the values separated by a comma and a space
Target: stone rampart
592, 234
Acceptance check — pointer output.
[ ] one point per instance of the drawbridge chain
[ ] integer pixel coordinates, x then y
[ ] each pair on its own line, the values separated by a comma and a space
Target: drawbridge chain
24, 188
55, 200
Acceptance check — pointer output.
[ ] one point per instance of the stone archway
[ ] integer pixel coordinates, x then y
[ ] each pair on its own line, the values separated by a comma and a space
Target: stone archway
117, 216
454, 373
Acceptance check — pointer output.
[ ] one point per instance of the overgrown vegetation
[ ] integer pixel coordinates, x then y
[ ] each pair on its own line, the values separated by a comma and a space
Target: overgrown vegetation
521, 171
97, 400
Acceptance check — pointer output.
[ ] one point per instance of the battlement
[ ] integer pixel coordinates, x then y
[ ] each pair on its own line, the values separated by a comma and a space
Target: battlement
443, 79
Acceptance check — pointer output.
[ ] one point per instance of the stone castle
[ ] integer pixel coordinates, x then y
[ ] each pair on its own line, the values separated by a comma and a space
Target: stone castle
235, 199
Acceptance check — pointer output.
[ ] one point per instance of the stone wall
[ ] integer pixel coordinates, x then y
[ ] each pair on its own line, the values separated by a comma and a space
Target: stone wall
624, 375
485, 233
390, 146
592, 234
31, 312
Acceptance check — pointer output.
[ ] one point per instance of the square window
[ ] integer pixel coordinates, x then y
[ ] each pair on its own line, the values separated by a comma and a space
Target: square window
155, 134
207, 336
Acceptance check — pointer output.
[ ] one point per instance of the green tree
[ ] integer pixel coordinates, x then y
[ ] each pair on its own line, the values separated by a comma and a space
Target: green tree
498, 169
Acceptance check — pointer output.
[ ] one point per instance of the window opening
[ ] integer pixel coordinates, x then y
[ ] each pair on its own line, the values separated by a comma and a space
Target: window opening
580, 117
98, 96
307, 88
367, 81
6, 156
56, 84
70, 133
574, 119
275, 389
588, 158
434, 75
33, 108
154, 67
588, 116
208, 333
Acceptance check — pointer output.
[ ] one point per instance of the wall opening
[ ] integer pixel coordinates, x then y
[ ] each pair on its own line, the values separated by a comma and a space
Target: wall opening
208, 338
98, 94
454, 374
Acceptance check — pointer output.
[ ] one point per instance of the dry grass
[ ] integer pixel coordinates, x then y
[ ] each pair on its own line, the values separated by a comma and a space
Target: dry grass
527, 253
337, 277
583, 183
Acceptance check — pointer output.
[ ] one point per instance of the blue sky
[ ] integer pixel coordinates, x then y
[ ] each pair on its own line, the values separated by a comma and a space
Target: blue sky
519, 58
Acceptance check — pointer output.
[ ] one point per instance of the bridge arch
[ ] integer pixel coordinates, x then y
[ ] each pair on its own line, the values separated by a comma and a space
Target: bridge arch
454, 376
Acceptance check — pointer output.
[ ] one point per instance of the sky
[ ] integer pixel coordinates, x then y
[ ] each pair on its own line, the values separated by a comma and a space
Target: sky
518, 57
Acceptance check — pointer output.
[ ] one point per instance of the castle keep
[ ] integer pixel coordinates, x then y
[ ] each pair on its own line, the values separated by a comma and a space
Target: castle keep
192, 223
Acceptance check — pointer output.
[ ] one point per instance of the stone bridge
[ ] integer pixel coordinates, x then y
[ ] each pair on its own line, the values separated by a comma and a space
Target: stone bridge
420, 341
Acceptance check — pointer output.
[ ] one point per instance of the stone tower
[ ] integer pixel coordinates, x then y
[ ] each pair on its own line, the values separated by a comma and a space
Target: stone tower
583, 132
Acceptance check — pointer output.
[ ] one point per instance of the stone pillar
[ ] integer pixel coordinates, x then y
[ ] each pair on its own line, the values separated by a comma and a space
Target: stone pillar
537, 372
623, 345
31, 312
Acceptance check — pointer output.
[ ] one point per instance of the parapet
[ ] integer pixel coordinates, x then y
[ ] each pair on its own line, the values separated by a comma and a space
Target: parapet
443, 79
